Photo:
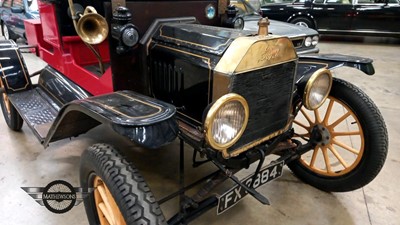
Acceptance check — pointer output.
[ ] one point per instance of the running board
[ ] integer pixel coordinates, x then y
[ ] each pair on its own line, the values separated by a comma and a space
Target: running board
36, 109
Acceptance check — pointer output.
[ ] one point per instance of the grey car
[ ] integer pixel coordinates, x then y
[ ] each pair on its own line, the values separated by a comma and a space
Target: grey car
304, 39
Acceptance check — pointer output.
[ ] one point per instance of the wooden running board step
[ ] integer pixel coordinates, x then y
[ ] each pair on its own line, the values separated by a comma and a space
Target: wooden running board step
36, 109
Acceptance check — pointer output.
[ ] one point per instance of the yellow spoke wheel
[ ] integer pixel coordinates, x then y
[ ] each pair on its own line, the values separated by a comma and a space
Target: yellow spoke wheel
342, 143
107, 208
352, 144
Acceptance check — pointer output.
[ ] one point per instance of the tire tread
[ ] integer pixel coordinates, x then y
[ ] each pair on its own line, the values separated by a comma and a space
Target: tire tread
137, 204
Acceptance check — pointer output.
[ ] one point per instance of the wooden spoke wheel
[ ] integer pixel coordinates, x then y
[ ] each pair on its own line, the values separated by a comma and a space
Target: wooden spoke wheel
107, 208
352, 146
341, 147
11, 116
120, 194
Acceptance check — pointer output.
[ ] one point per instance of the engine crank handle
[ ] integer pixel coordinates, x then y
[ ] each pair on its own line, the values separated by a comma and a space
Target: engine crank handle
261, 198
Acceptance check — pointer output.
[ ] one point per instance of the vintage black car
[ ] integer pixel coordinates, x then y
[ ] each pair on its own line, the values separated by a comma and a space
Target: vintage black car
355, 17
235, 97
304, 39
12, 15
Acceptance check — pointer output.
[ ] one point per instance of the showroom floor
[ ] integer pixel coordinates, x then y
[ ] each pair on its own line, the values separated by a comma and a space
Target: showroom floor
25, 163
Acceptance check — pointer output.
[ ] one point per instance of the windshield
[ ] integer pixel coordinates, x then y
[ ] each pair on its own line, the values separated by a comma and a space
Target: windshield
32, 5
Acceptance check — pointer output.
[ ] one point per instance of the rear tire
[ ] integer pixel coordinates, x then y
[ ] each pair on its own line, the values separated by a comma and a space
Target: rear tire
8, 35
303, 21
11, 115
119, 187
354, 146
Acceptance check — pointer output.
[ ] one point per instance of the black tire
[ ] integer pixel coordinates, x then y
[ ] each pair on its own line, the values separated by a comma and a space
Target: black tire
303, 21
11, 115
372, 139
7, 33
129, 191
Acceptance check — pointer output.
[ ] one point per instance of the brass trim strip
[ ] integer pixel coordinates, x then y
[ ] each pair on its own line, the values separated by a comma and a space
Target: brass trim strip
244, 148
121, 113
251, 53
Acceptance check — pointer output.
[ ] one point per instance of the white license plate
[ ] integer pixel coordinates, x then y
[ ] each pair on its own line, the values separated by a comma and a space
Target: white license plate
237, 193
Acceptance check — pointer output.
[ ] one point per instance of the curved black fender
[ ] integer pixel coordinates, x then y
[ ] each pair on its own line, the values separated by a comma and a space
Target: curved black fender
308, 64
146, 121
13, 72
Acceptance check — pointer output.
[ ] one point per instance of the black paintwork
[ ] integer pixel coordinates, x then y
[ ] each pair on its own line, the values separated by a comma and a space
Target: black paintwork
204, 39
59, 88
182, 59
336, 60
358, 17
146, 121
13, 70
126, 112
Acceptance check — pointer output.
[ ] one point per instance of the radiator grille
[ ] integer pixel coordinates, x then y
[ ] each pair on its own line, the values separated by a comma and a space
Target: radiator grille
298, 43
167, 81
269, 94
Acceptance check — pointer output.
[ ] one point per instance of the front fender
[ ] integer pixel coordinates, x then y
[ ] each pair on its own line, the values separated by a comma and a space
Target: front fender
308, 64
146, 121
312, 62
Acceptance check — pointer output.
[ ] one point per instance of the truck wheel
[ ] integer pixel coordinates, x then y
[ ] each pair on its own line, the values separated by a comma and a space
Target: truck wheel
354, 143
11, 115
7, 33
303, 21
120, 195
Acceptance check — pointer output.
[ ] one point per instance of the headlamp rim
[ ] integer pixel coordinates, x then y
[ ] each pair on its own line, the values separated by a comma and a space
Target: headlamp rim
309, 85
208, 122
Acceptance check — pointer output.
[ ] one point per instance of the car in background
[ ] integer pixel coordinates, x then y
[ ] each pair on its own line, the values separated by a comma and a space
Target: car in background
304, 39
12, 15
355, 17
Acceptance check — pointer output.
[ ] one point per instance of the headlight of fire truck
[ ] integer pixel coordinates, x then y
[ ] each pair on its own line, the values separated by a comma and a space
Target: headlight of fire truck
317, 89
226, 121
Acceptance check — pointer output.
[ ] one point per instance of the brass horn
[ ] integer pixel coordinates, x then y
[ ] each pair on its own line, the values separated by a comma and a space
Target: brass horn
91, 27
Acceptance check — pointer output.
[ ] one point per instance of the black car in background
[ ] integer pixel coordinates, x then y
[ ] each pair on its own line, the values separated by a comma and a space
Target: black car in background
357, 17
12, 15
304, 39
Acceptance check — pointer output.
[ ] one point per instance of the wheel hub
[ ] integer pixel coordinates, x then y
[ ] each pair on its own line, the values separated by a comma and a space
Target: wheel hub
324, 135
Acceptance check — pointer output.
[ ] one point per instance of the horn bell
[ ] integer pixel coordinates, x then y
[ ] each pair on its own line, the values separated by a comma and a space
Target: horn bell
92, 28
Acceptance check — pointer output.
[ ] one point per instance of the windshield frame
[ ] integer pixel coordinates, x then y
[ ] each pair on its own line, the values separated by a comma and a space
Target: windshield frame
31, 6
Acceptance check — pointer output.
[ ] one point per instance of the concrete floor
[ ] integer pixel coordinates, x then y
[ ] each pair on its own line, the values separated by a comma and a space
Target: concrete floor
24, 162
